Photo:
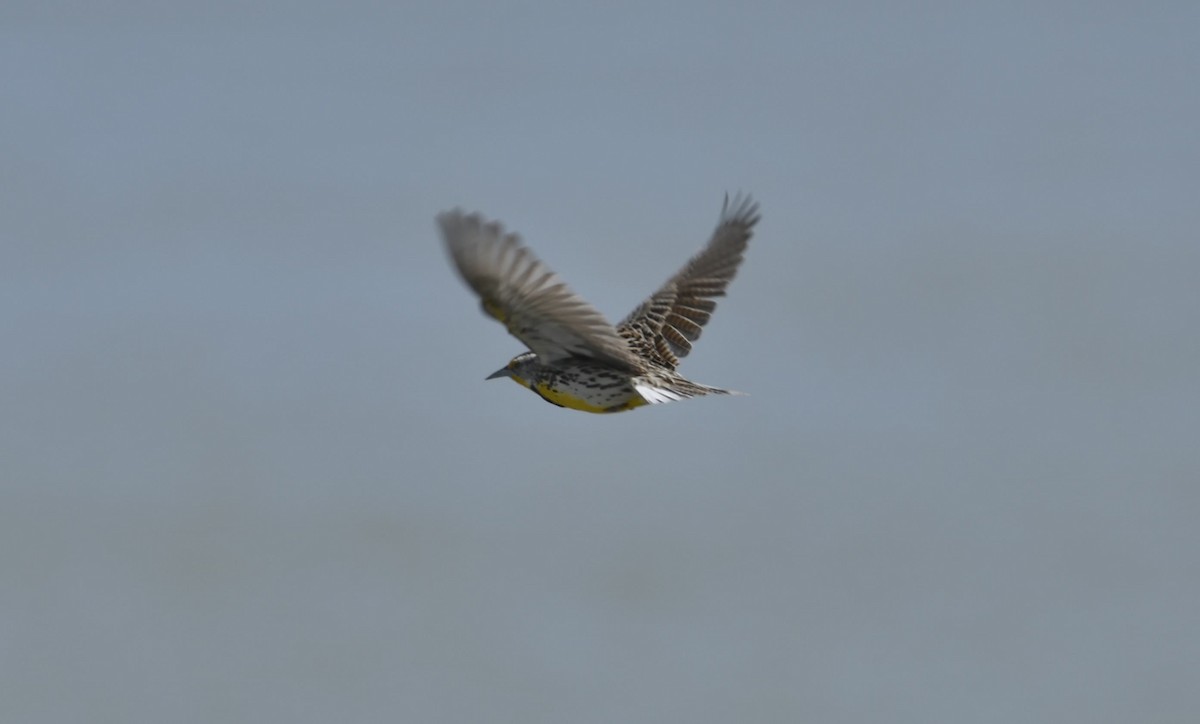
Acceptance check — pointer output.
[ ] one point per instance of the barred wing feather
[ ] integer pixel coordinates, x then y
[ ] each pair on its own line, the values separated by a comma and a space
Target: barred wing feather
664, 326
527, 297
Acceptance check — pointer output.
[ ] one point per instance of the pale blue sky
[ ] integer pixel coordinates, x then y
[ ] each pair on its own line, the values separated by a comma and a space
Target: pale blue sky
251, 470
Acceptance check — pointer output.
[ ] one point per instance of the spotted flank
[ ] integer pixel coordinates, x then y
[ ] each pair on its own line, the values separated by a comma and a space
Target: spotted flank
576, 358
566, 398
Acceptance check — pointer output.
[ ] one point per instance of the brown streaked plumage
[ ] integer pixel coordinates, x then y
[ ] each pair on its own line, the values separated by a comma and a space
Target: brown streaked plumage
576, 358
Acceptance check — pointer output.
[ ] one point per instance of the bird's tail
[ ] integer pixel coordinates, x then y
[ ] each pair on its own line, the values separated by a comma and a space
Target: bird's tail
657, 391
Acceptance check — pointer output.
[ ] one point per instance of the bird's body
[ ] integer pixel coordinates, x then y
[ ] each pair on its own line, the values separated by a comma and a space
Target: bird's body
578, 383
577, 359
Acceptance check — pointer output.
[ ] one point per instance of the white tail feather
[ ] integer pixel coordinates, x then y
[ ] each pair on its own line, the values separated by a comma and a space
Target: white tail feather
656, 395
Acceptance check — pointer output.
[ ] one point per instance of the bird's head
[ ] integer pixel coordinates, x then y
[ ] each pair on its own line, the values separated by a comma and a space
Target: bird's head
519, 368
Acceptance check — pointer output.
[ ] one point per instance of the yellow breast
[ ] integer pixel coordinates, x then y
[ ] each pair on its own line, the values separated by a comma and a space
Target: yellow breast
566, 399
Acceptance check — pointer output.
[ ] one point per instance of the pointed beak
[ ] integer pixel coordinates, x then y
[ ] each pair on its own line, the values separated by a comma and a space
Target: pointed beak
502, 372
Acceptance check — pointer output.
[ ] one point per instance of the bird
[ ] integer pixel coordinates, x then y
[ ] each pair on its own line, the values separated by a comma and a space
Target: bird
576, 359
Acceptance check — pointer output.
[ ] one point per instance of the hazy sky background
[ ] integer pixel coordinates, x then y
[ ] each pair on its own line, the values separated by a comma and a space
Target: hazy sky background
251, 471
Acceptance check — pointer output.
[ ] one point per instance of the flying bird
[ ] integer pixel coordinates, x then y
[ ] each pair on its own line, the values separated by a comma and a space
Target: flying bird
576, 358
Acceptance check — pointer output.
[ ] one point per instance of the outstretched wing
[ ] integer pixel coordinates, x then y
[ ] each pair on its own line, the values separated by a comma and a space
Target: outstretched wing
664, 326
528, 298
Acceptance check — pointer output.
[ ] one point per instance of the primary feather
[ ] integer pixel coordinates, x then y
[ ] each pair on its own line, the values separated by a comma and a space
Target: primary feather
664, 326
527, 297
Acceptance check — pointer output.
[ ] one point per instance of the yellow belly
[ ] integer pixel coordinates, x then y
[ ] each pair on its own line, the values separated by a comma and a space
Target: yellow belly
579, 396
568, 399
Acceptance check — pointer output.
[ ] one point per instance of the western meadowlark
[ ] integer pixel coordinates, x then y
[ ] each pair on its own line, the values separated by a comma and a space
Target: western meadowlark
577, 359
